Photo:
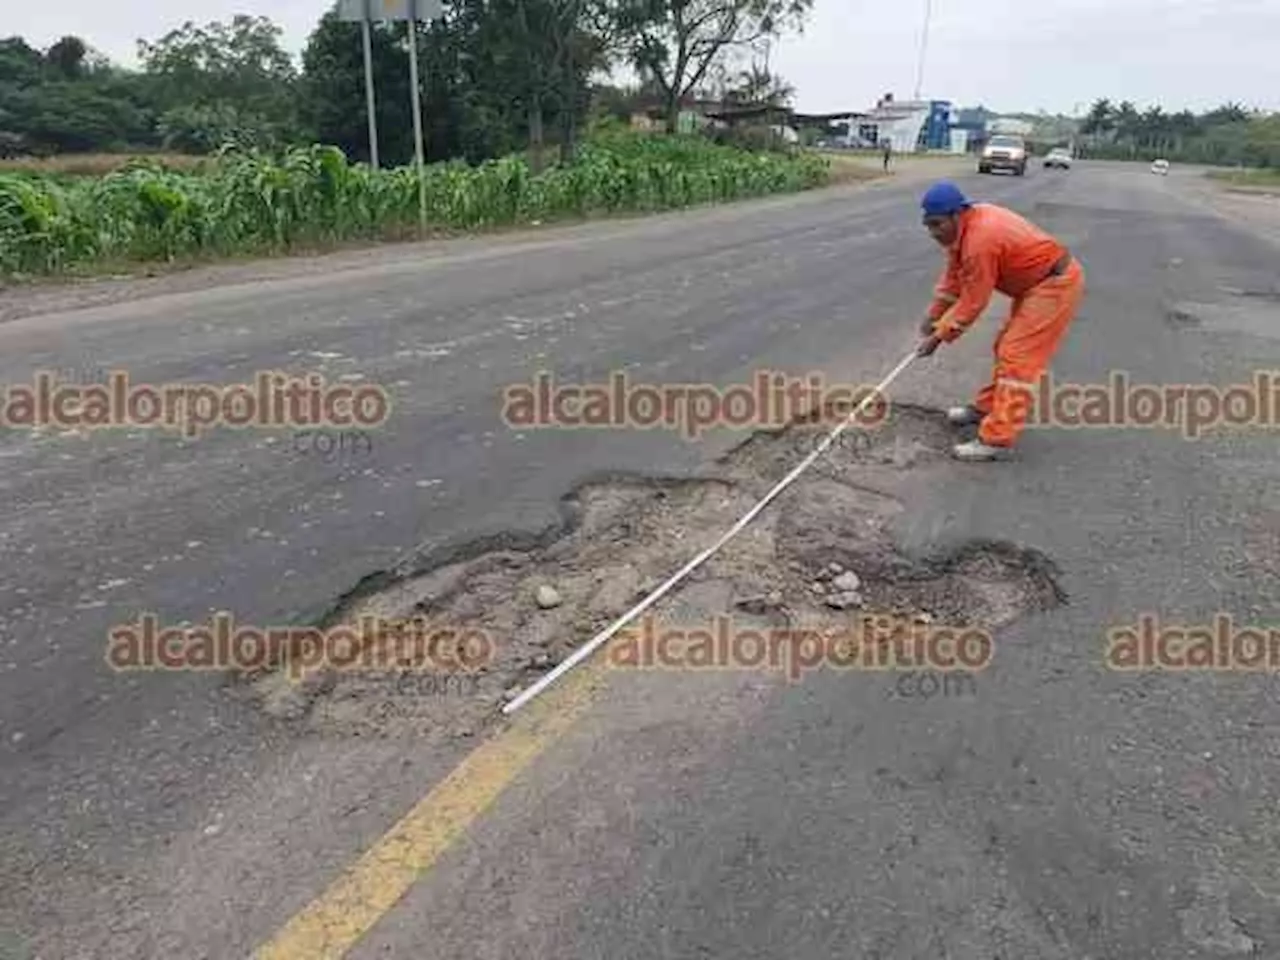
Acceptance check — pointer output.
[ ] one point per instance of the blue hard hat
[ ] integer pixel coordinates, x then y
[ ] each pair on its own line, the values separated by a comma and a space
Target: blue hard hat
942, 199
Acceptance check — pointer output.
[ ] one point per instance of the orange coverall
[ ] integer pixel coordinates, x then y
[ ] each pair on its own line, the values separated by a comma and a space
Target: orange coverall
997, 250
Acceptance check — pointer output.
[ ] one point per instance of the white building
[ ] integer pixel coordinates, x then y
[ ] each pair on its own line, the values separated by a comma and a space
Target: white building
898, 121
907, 125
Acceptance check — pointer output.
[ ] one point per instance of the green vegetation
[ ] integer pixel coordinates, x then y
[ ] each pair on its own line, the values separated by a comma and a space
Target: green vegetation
1227, 136
497, 77
222, 145
1248, 178
254, 203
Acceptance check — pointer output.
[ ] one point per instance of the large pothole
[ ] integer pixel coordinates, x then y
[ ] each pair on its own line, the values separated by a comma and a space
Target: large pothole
622, 536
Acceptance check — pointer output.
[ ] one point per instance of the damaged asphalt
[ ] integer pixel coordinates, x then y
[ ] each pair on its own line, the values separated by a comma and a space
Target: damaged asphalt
1052, 808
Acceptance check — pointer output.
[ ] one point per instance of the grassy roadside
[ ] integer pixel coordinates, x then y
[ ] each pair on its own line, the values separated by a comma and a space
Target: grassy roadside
61, 220
1247, 181
100, 164
850, 168
159, 193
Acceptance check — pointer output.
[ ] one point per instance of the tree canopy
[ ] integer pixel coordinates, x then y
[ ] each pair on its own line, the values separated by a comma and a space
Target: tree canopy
497, 76
1228, 134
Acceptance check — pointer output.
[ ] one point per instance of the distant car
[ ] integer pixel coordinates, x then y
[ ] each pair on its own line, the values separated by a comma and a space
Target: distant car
1160, 167
1004, 152
1059, 158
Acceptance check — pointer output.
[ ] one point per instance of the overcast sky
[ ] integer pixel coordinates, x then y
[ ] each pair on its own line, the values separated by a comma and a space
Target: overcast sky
1005, 54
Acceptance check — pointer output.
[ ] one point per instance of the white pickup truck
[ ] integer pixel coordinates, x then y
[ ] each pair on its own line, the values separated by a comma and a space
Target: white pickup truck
1004, 152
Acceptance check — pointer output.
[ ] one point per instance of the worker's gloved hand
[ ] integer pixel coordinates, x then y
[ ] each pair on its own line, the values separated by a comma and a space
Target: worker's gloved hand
928, 345
926, 327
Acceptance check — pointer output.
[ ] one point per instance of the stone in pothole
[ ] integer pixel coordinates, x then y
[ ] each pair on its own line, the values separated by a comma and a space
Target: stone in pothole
847, 582
844, 601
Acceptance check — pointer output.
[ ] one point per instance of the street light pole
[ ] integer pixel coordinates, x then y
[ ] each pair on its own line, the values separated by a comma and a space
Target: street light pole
924, 42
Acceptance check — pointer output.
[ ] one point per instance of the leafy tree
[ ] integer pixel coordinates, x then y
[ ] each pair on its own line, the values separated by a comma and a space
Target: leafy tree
1153, 127
332, 105
67, 56
20, 63
756, 85
1228, 134
205, 128
1227, 113
674, 43
238, 66
495, 74
1100, 119
64, 100
1127, 121
69, 117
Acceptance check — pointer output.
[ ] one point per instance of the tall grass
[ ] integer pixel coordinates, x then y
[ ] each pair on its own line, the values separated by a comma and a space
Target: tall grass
96, 164
250, 203
1247, 178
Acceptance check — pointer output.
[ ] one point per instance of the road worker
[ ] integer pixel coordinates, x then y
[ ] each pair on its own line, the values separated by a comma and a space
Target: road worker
990, 248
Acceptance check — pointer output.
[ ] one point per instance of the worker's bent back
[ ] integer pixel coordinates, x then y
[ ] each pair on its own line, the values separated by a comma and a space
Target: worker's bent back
1024, 254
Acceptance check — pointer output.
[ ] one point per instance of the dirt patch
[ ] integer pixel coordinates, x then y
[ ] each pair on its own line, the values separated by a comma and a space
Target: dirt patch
823, 552
1181, 318
1255, 316
1271, 295
1257, 211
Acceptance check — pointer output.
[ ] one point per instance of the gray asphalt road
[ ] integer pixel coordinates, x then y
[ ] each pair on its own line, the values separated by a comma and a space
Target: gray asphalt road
1063, 811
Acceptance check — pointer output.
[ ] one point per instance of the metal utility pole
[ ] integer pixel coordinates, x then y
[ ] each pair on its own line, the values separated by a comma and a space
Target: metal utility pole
417, 114
366, 11
368, 84
924, 42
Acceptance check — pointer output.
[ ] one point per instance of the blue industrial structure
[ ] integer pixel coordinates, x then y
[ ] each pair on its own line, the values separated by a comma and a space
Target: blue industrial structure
936, 132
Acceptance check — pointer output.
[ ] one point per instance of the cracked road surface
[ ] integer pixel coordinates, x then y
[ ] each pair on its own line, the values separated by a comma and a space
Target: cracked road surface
1053, 808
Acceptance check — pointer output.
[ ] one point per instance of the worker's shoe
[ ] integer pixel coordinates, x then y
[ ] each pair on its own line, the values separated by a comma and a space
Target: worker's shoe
964, 416
976, 451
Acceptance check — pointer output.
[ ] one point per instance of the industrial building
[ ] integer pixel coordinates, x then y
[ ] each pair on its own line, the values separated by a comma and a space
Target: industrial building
911, 126
908, 125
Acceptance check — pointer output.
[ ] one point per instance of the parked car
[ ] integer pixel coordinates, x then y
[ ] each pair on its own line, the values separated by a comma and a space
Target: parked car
1160, 167
1058, 158
1004, 152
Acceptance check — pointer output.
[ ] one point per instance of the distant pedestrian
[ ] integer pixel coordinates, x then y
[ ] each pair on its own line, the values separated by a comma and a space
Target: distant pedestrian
888, 152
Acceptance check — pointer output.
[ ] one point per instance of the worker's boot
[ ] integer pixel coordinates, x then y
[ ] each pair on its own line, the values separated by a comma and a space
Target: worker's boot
964, 416
977, 451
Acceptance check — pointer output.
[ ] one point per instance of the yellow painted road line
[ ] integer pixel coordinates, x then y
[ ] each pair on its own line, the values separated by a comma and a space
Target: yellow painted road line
331, 924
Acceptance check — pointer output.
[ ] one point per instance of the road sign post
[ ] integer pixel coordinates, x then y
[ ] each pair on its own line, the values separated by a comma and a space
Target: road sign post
370, 106
410, 11
416, 94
